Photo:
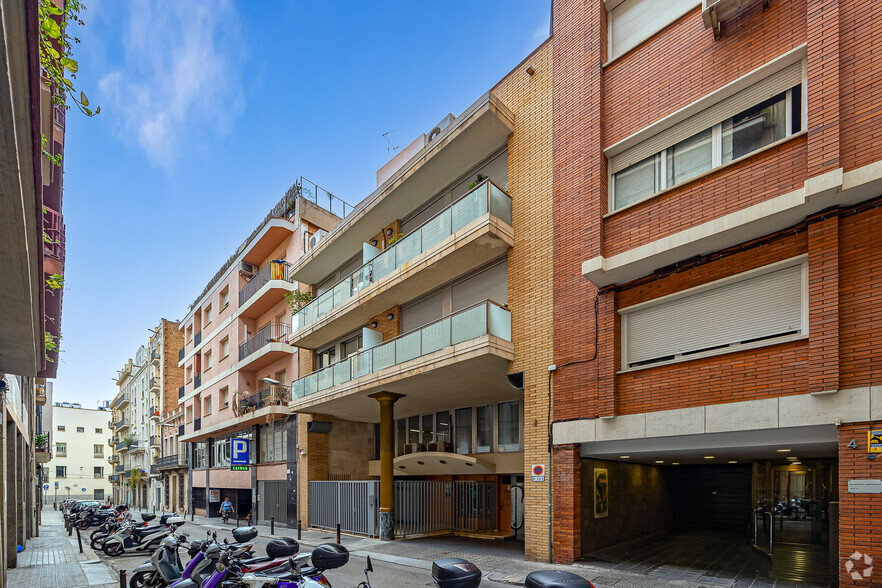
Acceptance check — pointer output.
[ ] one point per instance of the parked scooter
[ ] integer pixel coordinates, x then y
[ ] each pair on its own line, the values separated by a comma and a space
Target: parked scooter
324, 557
92, 517
164, 566
139, 538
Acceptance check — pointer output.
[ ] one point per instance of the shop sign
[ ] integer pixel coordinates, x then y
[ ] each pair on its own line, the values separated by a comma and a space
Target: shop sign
865, 486
238, 468
214, 495
539, 473
239, 449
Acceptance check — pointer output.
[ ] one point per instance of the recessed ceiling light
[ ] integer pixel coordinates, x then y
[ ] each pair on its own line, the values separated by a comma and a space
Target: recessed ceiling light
660, 461
792, 458
624, 457
795, 463
675, 463
783, 451
732, 461
708, 457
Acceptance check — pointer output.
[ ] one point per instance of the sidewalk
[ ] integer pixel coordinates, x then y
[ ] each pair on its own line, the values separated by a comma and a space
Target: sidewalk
53, 559
501, 561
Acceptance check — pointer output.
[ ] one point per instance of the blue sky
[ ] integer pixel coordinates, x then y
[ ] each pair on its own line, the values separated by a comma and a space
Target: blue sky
211, 110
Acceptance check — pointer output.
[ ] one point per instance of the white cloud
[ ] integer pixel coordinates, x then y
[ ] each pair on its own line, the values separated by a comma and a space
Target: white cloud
179, 76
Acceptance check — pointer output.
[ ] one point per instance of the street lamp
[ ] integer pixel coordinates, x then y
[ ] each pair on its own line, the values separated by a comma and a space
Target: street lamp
270, 381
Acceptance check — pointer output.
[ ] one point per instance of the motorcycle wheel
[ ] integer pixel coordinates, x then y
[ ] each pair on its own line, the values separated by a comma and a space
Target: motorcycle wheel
143, 580
95, 534
83, 525
113, 549
97, 543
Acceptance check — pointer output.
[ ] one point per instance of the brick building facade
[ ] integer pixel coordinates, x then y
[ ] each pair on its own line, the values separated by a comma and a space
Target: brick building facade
696, 166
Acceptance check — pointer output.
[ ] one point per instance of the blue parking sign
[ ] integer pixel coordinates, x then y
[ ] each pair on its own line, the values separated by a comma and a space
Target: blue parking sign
239, 449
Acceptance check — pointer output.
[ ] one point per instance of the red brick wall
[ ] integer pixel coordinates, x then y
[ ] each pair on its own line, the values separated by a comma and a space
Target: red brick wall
860, 59
683, 63
858, 513
759, 178
860, 299
567, 545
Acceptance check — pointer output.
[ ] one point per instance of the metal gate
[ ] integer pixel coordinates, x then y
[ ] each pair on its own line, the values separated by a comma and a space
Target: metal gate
352, 505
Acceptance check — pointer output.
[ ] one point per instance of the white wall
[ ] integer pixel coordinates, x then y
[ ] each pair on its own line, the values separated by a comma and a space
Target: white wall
80, 459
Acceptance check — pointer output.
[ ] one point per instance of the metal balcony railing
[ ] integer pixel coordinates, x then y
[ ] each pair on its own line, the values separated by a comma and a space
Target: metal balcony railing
119, 423
154, 440
277, 269
197, 338
180, 392
271, 333
154, 469
197, 380
113, 459
268, 396
154, 383
167, 461
321, 197
483, 318
181, 354
197, 424
154, 355
154, 412
119, 469
180, 430
485, 197
43, 443
54, 233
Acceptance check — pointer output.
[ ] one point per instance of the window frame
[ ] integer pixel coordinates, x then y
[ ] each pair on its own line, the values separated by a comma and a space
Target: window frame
799, 260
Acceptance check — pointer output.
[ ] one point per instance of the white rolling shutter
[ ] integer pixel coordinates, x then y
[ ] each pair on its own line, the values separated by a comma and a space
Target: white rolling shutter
632, 21
761, 306
764, 89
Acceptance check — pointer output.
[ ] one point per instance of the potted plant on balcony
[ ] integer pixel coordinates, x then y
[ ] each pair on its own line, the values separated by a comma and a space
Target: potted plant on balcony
41, 441
246, 407
128, 440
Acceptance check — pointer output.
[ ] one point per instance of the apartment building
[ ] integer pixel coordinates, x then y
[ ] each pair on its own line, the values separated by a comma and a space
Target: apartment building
32, 265
237, 361
718, 248
78, 468
173, 464
427, 298
147, 391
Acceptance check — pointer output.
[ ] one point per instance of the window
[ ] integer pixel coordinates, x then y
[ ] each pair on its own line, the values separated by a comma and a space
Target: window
98, 472
350, 347
207, 357
324, 358
225, 297
760, 307
224, 397
401, 436
413, 430
189, 333
81, 429
61, 449
98, 450
207, 410
464, 430
630, 22
98, 430
225, 347
273, 442
189, 373
428, 429
485, 428
60, 428
60, 471
207, 315
755, 128
189, 413
199, 455
509, 426
442, 427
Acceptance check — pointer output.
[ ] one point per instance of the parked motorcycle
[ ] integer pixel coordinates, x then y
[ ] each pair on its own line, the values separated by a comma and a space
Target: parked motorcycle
139, 538
92, 517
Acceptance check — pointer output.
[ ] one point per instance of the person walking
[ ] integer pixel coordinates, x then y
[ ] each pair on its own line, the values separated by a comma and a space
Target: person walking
226, 508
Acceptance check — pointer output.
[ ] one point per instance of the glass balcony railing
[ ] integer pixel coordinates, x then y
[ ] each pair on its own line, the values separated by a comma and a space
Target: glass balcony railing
486, 197
480, 319
277, 269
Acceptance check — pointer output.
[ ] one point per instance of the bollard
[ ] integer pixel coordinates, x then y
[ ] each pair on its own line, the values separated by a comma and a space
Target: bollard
237, 521
122, 579
79, 540
272, 525
299, 529
70, 529
338, 532
192, 514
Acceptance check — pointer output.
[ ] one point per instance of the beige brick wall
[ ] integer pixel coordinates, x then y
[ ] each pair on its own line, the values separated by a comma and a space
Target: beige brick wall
530, 270
390, 329
350, 448
172, 375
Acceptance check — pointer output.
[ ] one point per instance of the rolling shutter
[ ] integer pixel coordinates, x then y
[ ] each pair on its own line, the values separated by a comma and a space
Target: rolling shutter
633, 21
760, 306
490, 284
764, 89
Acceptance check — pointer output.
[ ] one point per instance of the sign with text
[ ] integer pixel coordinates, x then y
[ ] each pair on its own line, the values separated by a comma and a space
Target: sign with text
238, 468
539, 473
874, 441
865, 486
239, 449
214, 495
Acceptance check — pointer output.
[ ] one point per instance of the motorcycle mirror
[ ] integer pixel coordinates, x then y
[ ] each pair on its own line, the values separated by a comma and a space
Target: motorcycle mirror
220, 567
370, 567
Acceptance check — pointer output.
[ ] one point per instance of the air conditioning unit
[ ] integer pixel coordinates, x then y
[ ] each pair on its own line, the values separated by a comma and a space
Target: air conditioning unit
441, 446
715, 11
314, 240
247, 269
413, 448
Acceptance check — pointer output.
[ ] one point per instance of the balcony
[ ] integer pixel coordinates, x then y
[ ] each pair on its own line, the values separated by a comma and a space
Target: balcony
121, 425
113, 459
113, 441
154, 469
268, 345
113, 479
121, 401
171, 461
154, 440
197, 338
136, 447
40, 395
53, 228
267, 396
181, 354
446, 362
197, 424
119, 469
265, 289
464, 236
154, 357
154, 384
180, 392
154, 413
42, 448
472, 137
132, 447
180, 430
197, 380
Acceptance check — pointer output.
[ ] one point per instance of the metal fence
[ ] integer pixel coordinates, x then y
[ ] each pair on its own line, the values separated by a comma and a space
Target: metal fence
270, 333
277, 269
352, 505
421, 507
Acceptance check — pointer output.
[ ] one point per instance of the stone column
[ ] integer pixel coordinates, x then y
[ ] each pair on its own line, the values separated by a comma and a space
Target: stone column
387, 402
12, 510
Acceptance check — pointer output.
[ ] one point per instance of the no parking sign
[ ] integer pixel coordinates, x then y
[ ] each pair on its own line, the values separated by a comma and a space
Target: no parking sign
539, 473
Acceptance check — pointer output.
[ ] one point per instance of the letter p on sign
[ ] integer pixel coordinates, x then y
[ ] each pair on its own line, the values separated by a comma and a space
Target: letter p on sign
239, 451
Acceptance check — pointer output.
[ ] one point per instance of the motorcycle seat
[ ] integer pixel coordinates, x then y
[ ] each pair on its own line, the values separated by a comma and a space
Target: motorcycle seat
142, 531
255, 560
